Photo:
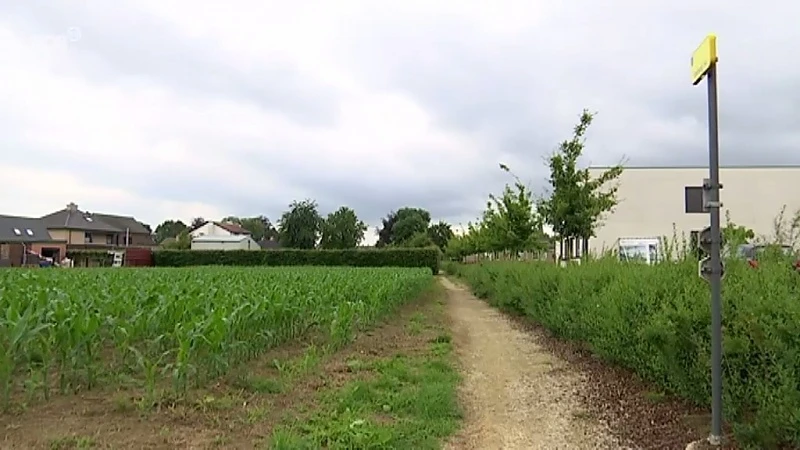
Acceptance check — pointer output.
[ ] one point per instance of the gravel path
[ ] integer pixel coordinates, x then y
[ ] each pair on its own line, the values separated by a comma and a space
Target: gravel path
517, 395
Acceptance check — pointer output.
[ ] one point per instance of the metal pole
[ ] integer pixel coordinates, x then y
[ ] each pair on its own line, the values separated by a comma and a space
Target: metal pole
716, 278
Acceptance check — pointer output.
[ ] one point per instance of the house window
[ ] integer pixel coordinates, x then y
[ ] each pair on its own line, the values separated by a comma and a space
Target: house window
87, 238
29, 232
17, 232
109, 239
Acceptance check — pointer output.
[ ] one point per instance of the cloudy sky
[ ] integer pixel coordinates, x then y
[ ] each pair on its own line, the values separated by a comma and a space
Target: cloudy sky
176, 109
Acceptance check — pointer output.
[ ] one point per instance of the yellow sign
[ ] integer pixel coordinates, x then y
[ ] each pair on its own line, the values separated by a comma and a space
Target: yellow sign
703, 58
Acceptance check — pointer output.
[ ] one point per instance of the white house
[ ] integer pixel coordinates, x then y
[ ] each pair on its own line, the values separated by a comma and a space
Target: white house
651, 201
218, 229
235, 242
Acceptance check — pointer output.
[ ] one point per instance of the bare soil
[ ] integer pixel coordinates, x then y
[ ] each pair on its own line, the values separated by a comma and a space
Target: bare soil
517, 395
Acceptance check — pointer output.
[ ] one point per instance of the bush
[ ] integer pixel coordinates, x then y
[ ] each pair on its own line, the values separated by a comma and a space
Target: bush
394, 257
656, 321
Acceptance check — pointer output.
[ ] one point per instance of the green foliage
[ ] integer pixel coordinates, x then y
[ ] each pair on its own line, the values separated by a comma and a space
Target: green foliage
420, 239
342, 229
101, 257
655, 321
509, 223
440, 234
260, 227
299, 227
182, 242
399, 227
391, 257
735, 235
192, 324
577, 201
169, 229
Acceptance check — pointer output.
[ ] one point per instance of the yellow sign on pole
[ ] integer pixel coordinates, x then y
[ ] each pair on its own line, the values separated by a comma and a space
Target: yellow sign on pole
703, 58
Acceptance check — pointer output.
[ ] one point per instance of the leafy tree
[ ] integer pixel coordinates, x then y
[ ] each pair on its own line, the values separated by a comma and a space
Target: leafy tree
440, 234
299, 227
577, 201
182, 242
197, 222
260, 227
402, 225
510, 222
169, 229
342, 229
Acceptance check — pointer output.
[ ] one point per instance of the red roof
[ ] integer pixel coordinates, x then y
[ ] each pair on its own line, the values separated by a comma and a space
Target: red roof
233, 228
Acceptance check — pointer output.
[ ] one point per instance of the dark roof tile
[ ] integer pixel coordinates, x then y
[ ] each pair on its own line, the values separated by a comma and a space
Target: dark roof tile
23, 229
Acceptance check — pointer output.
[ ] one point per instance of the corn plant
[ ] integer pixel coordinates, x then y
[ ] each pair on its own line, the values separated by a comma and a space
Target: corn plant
187, 325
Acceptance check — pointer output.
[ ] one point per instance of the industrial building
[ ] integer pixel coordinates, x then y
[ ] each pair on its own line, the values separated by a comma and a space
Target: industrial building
651, 201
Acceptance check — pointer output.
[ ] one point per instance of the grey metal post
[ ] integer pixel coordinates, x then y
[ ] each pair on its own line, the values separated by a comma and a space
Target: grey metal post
716, 278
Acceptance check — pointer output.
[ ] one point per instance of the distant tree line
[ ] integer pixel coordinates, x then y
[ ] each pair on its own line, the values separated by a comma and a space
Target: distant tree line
302, 226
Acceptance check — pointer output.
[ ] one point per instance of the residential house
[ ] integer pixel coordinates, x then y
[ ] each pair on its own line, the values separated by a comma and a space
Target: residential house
232, 242
83, 230
209, 228
24, 239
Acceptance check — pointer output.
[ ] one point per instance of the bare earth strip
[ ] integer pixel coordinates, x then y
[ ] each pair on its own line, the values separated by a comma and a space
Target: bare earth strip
517, 395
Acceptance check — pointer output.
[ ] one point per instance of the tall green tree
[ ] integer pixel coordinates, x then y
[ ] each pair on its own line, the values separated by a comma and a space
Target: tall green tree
577, 201
342, 229
399, 227
440, 234
169, 229
299, 227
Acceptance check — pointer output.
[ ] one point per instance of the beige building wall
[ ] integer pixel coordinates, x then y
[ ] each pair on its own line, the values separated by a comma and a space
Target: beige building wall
651, 200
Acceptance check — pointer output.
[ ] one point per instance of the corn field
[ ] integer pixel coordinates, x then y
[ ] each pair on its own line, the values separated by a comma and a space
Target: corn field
68, 330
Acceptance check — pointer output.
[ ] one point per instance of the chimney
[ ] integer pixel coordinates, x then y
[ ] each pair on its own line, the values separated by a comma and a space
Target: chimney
72, 207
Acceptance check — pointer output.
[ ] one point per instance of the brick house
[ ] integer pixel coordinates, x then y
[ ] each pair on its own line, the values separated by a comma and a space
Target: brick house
24, 239
83, 230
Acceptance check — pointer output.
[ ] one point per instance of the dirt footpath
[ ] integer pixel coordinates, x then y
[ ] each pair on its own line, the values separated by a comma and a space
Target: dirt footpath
516, 394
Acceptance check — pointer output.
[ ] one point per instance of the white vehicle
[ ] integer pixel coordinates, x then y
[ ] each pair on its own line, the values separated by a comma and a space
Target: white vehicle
646, 250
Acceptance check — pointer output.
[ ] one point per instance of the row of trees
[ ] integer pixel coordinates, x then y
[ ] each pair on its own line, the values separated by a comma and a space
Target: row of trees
303, 227
573, 207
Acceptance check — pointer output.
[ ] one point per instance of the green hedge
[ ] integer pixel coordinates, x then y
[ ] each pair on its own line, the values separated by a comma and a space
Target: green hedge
656, 321
396, 257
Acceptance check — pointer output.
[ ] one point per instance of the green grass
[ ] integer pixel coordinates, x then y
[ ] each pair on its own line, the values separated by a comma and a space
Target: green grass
400, 402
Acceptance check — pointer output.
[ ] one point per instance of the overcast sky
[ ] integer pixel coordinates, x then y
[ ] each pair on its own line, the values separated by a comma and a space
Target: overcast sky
176, 109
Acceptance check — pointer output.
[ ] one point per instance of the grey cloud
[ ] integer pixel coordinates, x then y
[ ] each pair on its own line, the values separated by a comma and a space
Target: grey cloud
141, 46
510, 92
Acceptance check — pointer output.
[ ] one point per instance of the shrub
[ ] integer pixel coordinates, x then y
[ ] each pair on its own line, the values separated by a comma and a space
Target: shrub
656, 321
393, 257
